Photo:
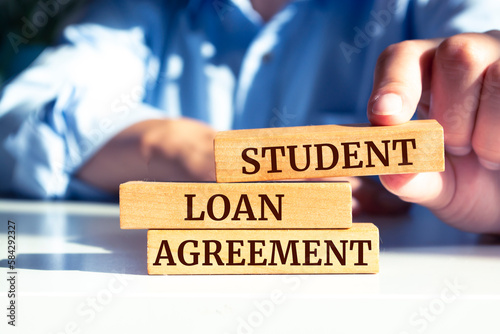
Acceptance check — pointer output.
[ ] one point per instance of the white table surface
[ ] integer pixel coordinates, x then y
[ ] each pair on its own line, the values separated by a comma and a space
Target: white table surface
79, 273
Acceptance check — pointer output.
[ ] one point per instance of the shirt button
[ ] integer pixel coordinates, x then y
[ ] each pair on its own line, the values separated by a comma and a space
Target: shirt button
267, 57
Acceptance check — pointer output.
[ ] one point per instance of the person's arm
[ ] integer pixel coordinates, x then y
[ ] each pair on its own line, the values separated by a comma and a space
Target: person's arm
80, 94
155, 150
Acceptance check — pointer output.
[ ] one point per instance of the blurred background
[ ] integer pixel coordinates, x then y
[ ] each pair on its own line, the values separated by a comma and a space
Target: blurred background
27, 27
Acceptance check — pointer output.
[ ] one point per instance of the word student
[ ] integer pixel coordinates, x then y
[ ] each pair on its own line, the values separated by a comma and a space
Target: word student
350, 149
328, 151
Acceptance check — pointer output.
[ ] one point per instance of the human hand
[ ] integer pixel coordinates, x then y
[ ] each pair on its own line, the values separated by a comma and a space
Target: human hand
180, 150
457, 82
160, 150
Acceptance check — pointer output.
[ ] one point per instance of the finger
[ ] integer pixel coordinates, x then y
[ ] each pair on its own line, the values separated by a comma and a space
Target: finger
486, 139
433, 190
457, 77
401, 73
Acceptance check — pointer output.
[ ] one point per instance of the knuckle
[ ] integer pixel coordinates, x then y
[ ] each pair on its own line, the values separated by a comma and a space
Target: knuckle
460, 53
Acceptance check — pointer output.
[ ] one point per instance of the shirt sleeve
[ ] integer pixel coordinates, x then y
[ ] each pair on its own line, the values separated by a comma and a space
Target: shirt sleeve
76, 97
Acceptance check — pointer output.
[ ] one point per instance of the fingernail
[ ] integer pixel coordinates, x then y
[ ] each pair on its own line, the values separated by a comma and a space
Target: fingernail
489, 164
388, 104
458, 150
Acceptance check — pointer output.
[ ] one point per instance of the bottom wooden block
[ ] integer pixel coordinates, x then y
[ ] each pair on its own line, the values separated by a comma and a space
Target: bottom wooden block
309, 251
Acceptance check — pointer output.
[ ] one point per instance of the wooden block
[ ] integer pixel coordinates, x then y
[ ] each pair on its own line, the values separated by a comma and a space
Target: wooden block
328, 150
162, 205
207, 252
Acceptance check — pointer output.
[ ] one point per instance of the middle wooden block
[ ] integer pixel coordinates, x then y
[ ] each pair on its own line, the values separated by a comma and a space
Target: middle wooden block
276, 205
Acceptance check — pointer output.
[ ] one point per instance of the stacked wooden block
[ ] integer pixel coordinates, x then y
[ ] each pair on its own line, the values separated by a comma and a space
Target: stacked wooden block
238, 226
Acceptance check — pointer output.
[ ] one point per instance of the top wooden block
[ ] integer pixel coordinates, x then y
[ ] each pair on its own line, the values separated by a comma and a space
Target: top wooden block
328, 150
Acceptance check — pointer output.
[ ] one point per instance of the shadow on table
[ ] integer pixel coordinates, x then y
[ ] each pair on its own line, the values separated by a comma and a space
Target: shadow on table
80, 242
105, 263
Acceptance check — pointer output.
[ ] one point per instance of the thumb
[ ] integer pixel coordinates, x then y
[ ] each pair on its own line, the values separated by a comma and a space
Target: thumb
401, 74
433, 190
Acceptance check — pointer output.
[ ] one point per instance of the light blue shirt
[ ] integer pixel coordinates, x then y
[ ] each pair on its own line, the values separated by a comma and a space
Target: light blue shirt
128, 61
